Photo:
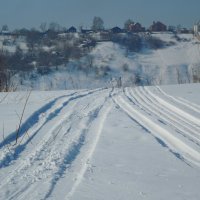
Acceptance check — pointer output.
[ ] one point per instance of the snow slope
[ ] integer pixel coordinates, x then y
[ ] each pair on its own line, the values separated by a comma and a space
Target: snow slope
169, 65
115, 143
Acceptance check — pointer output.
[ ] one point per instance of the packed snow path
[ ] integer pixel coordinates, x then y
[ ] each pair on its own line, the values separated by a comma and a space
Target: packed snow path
95, 145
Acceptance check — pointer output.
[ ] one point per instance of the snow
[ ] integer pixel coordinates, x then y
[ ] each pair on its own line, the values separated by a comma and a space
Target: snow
12, 44
173, 64
106, 143
97, 141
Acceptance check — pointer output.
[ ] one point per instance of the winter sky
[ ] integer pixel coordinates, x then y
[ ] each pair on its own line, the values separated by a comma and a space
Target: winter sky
30, 13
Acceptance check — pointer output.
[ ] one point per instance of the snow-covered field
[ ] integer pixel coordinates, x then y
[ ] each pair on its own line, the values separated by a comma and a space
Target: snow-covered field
131, 143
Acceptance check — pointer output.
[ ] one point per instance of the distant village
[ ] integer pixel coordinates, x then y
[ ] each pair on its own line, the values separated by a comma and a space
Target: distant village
54, 30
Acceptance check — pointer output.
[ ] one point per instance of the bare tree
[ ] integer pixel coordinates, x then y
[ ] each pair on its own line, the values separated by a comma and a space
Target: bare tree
196, 74
53, 26
2, 72
43, 26
21, 118
178, 74
127, 24
98, 24
5, 28
33, 38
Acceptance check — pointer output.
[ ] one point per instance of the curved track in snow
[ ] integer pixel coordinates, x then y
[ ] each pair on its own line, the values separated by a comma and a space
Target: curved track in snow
172, 127
192, 106
60, 135
64, 133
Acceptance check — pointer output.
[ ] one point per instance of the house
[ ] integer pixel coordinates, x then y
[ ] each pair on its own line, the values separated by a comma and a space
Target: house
158, 27
5, 32
86, 31
72, 29
172, 29
105, 35
184, 30
116, 30
136, 27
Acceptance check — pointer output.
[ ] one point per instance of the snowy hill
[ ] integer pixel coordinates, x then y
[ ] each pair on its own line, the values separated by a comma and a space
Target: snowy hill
131, 143
176, 62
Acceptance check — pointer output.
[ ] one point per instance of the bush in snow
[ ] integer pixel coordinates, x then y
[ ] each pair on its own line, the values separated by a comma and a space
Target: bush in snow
132, 42
154, 42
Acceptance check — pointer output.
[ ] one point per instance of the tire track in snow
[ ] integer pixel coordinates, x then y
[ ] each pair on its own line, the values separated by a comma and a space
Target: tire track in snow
93, 121
103, 116
85, 128
33, 119
163, 115
195, 106
41, 115
26, 164
176, 146
52, 112
179, 101
186, 117
76, 143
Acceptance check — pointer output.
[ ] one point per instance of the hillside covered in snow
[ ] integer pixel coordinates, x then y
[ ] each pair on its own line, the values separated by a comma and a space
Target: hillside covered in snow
131, 143
100, 116
75, 62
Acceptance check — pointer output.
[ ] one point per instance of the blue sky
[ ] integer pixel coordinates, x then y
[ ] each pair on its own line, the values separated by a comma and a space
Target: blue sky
31, 13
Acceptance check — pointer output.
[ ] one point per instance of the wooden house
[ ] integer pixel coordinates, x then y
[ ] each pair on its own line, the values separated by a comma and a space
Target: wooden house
136, 28
72, 29
158, 27
116, 29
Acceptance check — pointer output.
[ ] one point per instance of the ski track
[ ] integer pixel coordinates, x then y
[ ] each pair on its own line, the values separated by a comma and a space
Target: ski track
32, 120
70, 153
58, 123
172, 118
188, 119
166, 117
47, 110
191, 104
85, 158
88, 157
163, 136
77, 125
39, 119
194, 108
52, 112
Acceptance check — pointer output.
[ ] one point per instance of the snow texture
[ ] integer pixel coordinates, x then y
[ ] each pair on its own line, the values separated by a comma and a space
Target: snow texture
106, 143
